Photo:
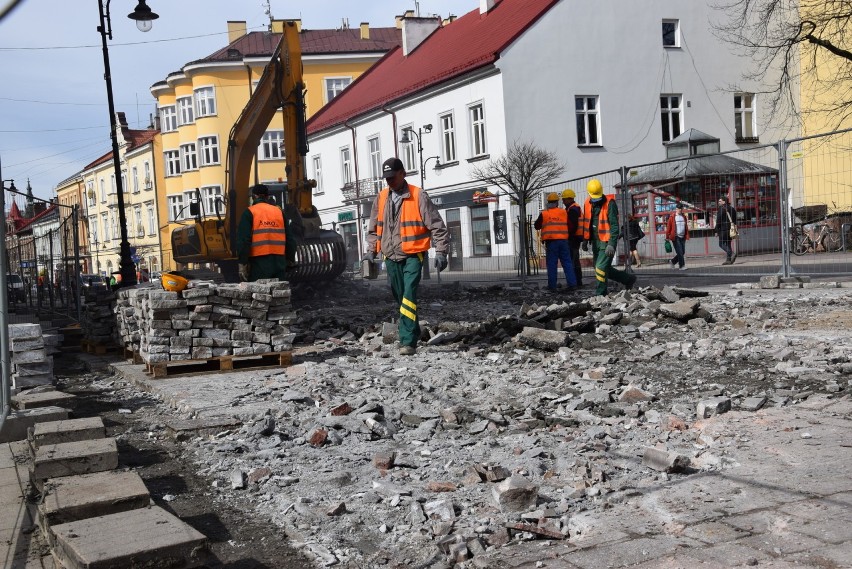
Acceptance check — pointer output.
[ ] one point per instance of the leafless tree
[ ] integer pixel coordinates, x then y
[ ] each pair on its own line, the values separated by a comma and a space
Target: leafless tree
521, 173
806, 41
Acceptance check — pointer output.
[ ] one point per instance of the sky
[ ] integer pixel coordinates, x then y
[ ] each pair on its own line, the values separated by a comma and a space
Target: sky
54, 117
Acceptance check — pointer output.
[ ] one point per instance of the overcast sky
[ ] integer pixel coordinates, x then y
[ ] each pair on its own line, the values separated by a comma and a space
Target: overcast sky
53, 105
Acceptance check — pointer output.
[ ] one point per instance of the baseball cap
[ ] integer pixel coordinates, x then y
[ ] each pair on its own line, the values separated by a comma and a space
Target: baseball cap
391, 166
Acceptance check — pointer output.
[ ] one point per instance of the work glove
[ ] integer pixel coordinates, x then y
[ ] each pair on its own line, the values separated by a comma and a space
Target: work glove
610, 251
369, 256
584, 246
244, 272
440, 261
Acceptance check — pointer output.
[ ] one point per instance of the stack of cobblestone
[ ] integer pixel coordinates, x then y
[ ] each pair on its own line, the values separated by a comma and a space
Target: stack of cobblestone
31, 366
99, 323
208, 320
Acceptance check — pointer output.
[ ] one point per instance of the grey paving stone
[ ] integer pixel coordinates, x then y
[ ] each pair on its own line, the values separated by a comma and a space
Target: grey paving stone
781, 543
732, 554
628, 553
713, 532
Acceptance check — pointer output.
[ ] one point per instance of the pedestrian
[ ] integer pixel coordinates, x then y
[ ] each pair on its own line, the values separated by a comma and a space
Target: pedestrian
403, 224
553, 224
725, 216
575, 232
636, 235
677, 231
262, 239
600, 228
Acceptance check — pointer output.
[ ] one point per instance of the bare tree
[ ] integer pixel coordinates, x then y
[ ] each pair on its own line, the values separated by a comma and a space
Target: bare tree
804, 42
521, 173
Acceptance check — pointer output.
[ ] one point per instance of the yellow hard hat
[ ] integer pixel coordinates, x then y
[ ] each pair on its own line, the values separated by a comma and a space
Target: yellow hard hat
569, 193
594, 189
174, 283
553, 197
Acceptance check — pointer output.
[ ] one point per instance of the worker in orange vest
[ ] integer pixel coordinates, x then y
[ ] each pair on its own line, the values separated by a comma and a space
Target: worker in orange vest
262, 239
600, 228
553, 224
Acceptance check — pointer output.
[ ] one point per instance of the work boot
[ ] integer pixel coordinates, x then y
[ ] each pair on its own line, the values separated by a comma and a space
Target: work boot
631, 283
733, 258
407, 351
728, 262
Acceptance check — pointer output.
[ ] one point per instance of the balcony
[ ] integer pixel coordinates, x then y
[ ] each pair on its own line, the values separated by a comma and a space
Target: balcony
363, 189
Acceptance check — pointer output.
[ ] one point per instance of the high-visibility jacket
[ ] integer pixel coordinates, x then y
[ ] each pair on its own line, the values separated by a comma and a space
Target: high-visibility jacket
603, 220
414, 235
268, 232
579, 231
554, 224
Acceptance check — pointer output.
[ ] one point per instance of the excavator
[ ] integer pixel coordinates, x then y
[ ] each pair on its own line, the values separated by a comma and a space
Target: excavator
319, 254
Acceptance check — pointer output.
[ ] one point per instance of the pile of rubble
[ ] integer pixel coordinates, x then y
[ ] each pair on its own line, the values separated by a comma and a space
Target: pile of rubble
515, 428
31, 364
205, 321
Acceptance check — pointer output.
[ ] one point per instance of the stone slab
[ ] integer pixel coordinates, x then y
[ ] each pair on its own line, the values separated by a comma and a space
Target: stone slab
75, 498
149, 537
17, 424
28, 400
182, 429
67, 459
67, 431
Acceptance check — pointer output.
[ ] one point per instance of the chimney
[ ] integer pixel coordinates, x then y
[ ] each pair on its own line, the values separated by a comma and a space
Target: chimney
415, 30
399, 19
485, 5
278, 25
365, 30
122, 119
448, 20
236, 30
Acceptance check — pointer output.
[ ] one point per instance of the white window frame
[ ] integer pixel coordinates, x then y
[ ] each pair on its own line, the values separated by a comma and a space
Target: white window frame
188, 157
447, 122
137, 216
316, 161
146, 168
103, 190
671, 112
374, 148
152, 220
346, 165
176, 207
584, 115
135, 171
185, 110
744, 117
335, 85
171, 159
209, 196
91, 196
93, 229
168, 118
271, 145
407, 150
113, 221
112, 184
676, 39
205, 101
476, 118
105, 223
208, 150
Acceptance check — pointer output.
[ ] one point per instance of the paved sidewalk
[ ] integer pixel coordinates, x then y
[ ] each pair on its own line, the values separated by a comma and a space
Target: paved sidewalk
21, 546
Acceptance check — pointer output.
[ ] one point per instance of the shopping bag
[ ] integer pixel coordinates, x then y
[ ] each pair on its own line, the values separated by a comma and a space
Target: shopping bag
734, 233
668, 246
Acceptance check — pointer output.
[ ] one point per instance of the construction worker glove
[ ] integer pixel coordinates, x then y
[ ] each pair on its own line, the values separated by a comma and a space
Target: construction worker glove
369, 256
610, 251
244, 272
584, 246
440, 261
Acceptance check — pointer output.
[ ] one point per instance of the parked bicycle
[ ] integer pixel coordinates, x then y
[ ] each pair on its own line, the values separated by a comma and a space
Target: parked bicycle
815, 237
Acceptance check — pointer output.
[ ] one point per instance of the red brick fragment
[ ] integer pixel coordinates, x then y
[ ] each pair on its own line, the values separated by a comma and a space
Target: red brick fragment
318, 438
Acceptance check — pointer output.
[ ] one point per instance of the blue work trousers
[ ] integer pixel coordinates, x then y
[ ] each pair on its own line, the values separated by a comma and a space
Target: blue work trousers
558, 251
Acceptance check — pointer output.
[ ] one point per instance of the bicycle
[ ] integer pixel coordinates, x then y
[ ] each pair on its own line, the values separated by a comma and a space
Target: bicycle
822, 235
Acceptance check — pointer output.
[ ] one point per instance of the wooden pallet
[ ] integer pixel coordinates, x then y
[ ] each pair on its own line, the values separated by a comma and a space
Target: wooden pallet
95, 348
132, 355
218, 364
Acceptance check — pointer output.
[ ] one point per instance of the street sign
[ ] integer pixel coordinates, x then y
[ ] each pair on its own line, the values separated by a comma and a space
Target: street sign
28, 264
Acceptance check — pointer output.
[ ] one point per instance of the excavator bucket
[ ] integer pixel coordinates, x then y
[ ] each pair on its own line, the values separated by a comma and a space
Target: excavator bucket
319, 257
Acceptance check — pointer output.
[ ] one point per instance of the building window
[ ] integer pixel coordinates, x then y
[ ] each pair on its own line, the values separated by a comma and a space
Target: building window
345, 165
448, 138
670, 116
146, 168
588, 121
124, 182
376, 162
205, 102
90, 193
112, 183
317, 162
176, 212
744, 123
113, 222
137, 216
334, 86
189, 158
477, 130
407, 149
105, 224
671, 33
185, 114
212, 200
93, 228
271, 145
481, 231
135, 180
152, 220
172, 162
103, 190
168, 119
208, 149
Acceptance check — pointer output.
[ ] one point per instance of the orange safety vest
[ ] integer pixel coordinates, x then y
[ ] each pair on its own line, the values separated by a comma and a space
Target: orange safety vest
268, 232
603, 221
554, 224
579, 231
414, 234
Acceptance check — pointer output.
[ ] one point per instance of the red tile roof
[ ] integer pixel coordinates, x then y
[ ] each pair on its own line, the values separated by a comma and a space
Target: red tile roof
468, 43
134, 138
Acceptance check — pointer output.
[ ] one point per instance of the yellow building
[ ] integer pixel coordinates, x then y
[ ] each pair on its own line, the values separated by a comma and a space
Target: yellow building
198, 105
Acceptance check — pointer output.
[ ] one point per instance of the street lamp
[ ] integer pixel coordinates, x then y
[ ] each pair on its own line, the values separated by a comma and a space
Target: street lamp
144, 18
419, 135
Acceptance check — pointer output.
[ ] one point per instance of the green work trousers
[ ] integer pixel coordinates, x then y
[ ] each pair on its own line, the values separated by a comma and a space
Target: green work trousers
604, 269
404, 278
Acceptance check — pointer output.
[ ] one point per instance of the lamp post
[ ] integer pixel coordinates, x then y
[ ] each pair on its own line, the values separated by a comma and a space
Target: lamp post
144, 18
419, 135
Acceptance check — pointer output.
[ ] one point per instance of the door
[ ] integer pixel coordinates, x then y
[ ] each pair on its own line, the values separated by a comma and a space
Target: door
349, 232
455, 257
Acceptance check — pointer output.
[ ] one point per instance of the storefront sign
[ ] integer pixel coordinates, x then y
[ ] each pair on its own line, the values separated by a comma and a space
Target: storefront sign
345, 216
484, 197
501, 230
461, 198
